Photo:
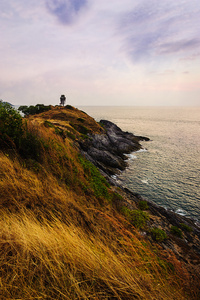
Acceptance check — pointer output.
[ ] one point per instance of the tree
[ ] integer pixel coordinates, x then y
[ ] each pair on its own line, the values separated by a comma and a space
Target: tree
23, 109
11, 124
32, 110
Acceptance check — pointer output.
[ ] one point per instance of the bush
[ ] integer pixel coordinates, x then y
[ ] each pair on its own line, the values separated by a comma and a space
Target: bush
70, 135
137, 217
176, 231
81, 120
14, 132
96, 181
186, 227
80, 128
32, 110
143, 205
11, 124
158, 234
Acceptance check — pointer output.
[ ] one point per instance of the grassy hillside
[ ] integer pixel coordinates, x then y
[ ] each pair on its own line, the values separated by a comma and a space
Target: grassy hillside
62, 235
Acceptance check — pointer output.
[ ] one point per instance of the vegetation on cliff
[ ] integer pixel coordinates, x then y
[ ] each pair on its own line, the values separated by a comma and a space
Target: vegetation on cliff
63, 234
32, 110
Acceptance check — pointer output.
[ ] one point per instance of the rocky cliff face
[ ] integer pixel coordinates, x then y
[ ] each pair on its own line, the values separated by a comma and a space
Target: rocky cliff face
108, 150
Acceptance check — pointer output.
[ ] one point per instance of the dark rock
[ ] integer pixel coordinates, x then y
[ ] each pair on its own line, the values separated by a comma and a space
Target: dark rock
107, 150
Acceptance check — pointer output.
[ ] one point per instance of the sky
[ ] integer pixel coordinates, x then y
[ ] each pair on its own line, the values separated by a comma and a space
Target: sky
128, 53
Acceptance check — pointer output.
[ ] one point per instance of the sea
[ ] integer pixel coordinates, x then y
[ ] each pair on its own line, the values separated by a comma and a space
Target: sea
167, 169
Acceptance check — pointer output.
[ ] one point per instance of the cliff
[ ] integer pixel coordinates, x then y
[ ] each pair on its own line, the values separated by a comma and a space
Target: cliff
107, 151
67, 232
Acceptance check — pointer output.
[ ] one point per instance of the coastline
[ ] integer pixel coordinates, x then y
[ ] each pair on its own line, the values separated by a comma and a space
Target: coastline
110, 153
170, 165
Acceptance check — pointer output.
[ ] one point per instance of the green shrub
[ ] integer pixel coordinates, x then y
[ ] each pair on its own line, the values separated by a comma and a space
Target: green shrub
32, 110
176, 231
13, 129
80, 128
143, 205
70, 135
11, 125
186, 227
158, 234
137, 217
81, 120
96, 181
126, 211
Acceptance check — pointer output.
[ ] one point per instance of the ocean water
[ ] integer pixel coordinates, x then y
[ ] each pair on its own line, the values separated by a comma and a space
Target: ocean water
167, 171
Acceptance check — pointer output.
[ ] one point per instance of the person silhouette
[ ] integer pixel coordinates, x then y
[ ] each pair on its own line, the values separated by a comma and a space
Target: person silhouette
62, 100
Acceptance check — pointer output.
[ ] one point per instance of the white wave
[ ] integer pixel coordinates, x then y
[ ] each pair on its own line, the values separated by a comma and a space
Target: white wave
146, 181
131, 156
142, 150
197, 223
181, 212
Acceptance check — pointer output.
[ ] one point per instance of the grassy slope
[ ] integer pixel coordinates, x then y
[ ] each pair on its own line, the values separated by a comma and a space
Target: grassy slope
61, 236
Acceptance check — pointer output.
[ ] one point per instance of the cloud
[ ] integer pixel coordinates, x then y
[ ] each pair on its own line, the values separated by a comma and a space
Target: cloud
178, 46
154, 29
65, 10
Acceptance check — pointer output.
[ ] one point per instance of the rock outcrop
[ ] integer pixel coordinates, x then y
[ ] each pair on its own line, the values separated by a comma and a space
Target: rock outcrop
108, 150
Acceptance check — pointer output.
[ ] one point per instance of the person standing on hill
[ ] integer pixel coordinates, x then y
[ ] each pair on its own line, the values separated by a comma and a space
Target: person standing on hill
62, 100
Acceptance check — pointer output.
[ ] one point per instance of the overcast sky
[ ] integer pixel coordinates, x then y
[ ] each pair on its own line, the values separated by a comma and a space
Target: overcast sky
108, 52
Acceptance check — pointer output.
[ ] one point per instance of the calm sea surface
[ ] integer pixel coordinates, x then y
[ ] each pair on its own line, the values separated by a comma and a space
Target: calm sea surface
168, 173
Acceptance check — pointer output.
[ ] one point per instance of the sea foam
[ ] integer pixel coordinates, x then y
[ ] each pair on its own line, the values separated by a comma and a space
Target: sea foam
181, 212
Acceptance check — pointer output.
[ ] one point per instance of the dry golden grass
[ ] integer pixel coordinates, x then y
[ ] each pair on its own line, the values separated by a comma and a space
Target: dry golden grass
59, 241
64, 116
56, 261
55, 247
